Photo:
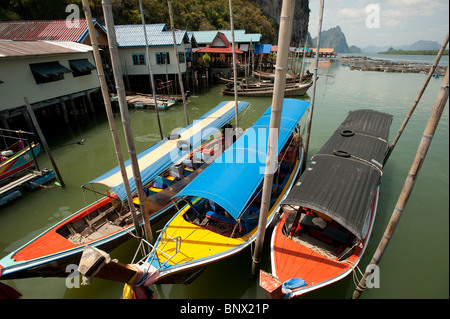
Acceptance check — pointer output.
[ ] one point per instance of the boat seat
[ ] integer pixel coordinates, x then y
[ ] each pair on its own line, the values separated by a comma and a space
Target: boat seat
328, 231
222, 218
190, 165
176, 171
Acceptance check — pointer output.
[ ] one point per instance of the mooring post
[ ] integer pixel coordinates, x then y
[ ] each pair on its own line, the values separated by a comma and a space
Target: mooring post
110, 115
43, 141
422, 150
313, 99
286, 20
115, 61
419, 96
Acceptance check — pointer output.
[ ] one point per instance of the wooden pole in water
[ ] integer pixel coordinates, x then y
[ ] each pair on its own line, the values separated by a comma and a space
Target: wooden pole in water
284, 36
43, 141
303, 61
419, 96
115, 61
110, 115
233, 45
422, 150
150, 72
313, 99
175, 50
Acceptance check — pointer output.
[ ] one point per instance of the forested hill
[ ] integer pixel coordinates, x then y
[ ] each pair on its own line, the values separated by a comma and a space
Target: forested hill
255, 16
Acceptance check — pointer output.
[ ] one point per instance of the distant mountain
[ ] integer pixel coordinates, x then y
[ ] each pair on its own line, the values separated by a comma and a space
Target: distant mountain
419, 45
333, 38
354, 49
423, 45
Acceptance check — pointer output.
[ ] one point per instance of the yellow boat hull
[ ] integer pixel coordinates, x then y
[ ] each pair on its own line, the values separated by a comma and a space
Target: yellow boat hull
201, 246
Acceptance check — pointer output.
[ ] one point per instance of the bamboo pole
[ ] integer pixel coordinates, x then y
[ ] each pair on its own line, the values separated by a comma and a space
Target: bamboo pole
149, 64
419, 96
233, 45
43, 141
115, 61
175, 50
313, 99
303, 60
419, 158
284, 36
110, 115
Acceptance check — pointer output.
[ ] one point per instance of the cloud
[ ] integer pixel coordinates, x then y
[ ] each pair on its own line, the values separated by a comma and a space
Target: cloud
352, 13
401, 21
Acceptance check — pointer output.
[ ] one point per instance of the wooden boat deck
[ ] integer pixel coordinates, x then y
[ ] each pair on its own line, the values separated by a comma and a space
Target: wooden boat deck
313, 263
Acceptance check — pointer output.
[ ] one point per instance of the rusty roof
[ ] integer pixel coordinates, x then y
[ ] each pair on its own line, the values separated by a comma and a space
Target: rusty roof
51, 30
33, 48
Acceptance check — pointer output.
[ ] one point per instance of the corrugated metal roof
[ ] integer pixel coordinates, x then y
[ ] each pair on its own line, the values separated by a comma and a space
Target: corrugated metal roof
54, 30
157, 35
324, 50
32, 48
206, 37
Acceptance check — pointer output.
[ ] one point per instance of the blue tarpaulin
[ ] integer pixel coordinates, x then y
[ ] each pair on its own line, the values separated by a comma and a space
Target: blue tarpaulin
262, 48
162, 155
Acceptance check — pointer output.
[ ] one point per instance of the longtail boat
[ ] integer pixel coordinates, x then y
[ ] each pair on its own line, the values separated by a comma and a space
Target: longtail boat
220, 209
165, 168
329, 214
266, 89
17, 158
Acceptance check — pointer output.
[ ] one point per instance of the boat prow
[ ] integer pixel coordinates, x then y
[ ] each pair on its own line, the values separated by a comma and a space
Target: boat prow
166, 168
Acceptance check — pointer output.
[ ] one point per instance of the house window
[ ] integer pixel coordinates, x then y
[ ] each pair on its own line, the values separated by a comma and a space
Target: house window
138, 58
181, 57
48, 71
81, 67
162, 58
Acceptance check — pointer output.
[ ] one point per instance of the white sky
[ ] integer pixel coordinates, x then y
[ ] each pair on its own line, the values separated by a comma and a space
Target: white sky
395, 23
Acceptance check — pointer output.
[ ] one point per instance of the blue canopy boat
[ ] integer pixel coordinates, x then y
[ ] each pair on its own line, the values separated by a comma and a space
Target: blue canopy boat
221, 207
165, 168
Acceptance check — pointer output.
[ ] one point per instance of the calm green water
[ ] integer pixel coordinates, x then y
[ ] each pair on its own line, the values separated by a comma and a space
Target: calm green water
415, 265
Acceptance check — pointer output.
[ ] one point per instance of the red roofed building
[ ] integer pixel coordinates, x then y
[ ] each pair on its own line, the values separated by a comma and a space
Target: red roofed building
52, 30
324, 52
220, 50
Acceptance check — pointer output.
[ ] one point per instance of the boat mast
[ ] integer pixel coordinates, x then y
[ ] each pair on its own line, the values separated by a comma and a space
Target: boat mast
311, 108
233, 45
284, 37
115, 61
175, 50
149, 64
109, 113
411, 178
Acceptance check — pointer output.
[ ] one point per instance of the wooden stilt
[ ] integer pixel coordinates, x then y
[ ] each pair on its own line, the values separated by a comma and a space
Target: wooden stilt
64, 110
88, 98
180, 79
